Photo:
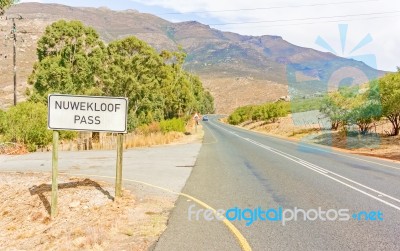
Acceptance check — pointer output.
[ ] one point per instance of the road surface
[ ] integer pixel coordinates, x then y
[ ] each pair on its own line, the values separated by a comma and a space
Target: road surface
243, 169
163, 166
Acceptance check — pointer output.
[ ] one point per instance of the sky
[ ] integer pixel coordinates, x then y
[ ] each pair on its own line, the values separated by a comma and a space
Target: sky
363, 29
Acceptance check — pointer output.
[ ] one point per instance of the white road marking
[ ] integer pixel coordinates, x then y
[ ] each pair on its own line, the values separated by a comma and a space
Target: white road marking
326, 151
322, 171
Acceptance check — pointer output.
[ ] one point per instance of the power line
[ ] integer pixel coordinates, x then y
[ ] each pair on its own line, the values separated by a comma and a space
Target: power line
327, 21
269, 8
304, 19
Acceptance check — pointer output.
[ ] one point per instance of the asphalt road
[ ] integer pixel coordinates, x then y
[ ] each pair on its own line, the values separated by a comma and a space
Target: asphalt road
164, 166
242, 169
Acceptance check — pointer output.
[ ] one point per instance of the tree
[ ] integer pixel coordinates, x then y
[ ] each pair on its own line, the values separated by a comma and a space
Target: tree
4, 4
389, 90
70, 58
366, 108
73, 60
134, 70
337, 106
157, 86
353, 105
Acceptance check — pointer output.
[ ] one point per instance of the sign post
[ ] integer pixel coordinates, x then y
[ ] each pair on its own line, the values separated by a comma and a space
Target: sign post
54, 174
86, 113
118, 177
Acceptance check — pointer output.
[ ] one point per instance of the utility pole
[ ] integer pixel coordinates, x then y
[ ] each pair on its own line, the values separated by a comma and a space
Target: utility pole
14, 32
14, 37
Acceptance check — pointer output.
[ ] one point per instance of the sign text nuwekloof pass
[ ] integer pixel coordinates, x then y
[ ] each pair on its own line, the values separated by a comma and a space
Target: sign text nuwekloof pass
87, 113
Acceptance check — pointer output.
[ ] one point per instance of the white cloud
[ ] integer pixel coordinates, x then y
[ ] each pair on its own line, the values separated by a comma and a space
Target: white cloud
383, 30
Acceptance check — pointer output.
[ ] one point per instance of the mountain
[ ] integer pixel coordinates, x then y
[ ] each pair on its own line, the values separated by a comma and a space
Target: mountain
237, 69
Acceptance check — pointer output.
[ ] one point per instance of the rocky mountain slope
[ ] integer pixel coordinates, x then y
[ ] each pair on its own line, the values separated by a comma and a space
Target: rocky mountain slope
237, 69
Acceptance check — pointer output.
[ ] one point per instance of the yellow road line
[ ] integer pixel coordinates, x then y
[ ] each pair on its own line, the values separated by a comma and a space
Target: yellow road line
238, 235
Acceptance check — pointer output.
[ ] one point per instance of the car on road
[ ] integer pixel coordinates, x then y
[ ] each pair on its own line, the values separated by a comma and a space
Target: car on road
205, 118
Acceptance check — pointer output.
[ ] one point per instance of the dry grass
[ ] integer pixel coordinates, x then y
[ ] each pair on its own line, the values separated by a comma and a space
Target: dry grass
88, 218
151, 139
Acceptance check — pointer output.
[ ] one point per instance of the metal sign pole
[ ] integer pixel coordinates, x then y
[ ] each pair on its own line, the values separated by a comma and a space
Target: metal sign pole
118, 178
54, 184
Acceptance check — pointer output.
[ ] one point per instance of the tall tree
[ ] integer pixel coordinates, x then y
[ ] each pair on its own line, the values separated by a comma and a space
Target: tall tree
134, 70
352, 105
389, 89
156, 84
70, 58
73, 60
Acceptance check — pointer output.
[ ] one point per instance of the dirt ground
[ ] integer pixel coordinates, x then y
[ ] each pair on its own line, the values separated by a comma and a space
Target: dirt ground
377, 144
89, 218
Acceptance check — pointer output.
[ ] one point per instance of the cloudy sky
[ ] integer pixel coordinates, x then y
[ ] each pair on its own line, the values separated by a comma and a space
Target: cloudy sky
369, 27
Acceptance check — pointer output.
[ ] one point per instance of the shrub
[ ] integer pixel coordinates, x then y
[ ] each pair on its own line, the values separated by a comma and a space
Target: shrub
26, 123
265, 112
152, 128
176, 125
2, 121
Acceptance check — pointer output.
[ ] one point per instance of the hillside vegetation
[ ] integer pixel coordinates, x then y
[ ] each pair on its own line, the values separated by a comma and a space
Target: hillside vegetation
72, 59
357, 106
251, 69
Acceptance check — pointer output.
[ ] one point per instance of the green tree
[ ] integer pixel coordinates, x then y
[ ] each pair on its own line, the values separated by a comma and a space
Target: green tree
4, 4
337, 105
134, 70
353, 105
332, 110
70, 58
73, 60
157, 86
389, 89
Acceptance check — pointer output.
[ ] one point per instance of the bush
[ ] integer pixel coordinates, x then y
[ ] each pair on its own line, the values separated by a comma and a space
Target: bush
242, 114
265, 112
176, 125
26, 124
149, 129
2, 121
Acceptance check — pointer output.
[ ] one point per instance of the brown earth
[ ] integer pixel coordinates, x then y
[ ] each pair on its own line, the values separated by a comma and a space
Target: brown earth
88, 217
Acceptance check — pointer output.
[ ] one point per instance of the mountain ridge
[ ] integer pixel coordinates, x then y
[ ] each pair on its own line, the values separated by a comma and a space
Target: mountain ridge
237, 69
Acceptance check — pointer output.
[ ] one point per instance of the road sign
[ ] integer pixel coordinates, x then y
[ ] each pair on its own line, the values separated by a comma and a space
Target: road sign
87, 113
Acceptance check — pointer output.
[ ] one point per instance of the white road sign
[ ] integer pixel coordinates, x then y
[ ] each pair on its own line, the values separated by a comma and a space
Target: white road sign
87, 113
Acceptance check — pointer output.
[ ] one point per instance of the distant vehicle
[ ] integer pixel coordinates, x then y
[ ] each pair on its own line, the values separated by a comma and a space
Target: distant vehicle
205, 118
